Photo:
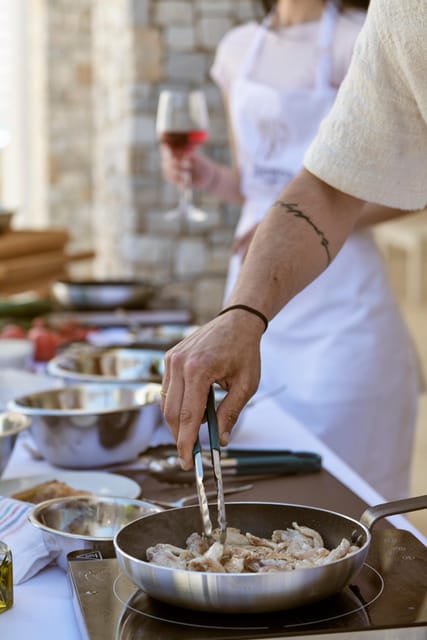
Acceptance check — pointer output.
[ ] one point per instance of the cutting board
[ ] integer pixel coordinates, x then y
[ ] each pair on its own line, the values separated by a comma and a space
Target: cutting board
30, 272
14, 244
31, 267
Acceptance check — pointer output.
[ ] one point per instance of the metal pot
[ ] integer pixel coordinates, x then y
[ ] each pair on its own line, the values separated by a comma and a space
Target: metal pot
255, 592
102, 294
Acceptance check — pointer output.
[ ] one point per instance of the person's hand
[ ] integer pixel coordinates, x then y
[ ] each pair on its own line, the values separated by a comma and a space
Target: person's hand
241, 244
173, 167
225, 351
178, 167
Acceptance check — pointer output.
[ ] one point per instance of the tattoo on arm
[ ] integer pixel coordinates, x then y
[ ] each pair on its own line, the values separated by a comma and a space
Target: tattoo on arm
291, 208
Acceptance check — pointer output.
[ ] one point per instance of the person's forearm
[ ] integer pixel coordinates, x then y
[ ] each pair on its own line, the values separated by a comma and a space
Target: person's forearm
294, 243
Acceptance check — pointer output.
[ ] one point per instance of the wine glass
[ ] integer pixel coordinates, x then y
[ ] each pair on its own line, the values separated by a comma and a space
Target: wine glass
182, 124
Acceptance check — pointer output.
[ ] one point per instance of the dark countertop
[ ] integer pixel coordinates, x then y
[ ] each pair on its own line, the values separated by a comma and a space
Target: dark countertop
320, 489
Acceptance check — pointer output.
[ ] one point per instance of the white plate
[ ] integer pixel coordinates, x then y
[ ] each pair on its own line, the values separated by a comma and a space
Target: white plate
102, 484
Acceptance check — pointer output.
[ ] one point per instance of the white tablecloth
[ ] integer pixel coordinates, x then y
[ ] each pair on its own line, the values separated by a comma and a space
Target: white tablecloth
43, 607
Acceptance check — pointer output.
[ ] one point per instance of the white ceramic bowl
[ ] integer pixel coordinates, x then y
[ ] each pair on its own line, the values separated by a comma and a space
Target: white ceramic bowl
15, 353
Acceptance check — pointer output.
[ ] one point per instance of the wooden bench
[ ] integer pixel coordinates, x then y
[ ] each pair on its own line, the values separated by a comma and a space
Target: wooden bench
410, 236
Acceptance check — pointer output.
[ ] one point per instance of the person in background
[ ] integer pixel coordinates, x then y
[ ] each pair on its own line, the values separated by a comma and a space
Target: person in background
339, 349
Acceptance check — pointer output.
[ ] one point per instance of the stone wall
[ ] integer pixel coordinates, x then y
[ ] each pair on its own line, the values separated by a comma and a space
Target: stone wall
70, 127
107, 61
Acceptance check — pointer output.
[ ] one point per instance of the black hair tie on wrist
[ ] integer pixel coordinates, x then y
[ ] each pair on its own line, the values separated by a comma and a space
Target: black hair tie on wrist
249, 309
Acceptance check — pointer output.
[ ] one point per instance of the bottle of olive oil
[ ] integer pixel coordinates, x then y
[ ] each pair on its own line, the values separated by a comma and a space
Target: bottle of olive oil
6, 578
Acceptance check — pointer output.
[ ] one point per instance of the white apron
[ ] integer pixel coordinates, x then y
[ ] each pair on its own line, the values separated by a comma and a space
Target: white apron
339, 349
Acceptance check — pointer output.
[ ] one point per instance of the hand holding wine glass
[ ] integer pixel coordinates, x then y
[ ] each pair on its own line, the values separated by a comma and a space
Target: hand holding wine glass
182, 125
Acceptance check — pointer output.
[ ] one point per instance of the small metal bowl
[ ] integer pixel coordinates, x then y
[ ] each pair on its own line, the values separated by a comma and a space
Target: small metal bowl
11, 424
86, 522
92, 425
120, 365
102, 294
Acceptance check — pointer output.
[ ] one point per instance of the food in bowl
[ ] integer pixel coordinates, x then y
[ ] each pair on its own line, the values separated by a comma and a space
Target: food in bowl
120, 365
92, 425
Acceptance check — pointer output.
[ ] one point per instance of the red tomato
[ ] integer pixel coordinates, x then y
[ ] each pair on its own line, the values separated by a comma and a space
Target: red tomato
45, 342
13, 331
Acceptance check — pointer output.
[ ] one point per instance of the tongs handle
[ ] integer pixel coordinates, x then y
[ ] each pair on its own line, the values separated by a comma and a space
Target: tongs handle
212, 421
274, 464
212, 425
197, 447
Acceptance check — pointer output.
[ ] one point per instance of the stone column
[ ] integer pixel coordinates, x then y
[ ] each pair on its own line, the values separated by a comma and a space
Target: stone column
69, 113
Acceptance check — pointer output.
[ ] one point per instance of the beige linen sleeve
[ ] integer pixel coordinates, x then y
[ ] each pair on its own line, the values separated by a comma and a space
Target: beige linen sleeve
373, 144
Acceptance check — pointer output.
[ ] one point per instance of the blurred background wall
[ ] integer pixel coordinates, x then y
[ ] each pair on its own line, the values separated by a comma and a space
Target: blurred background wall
89, 80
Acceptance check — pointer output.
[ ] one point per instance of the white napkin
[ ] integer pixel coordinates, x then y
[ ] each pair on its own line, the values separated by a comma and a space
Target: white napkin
30, 548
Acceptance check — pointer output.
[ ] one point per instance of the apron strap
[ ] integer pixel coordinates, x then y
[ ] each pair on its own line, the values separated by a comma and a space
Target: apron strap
255, 46
327, 26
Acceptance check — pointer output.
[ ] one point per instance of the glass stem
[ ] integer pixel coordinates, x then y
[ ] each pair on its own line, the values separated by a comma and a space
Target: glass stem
186, 191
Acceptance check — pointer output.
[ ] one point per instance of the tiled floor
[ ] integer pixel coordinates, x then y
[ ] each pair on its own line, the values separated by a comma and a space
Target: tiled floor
416, 317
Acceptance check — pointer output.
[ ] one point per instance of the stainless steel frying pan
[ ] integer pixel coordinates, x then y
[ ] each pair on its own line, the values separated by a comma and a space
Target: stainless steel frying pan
257, 592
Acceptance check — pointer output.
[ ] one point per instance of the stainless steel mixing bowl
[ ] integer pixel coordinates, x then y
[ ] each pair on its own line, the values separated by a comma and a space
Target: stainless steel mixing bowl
91, 425
86, 522
121, 365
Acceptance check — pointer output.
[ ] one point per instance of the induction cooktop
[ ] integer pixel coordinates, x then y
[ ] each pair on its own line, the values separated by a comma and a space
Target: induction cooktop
387, 600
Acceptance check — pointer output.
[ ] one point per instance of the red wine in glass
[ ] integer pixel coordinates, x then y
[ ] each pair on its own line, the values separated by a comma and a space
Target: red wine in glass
183, 141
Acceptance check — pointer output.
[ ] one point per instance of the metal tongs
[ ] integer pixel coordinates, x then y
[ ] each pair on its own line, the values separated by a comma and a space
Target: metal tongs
216, 465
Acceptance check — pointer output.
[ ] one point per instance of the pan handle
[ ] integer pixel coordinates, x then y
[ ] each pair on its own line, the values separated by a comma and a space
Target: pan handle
371, 515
